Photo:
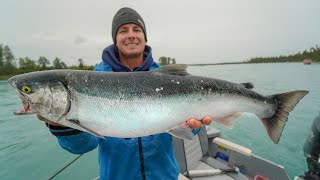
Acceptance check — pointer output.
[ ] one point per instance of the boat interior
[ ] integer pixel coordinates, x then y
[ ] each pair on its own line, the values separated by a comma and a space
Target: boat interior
209, 156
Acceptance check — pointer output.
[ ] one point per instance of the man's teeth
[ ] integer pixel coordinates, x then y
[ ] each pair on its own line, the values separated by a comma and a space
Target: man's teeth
131, 44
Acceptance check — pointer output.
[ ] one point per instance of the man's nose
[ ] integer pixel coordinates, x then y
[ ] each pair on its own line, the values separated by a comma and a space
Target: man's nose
131, 34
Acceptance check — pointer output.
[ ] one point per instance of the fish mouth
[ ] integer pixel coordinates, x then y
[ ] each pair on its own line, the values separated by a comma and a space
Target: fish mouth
26, 106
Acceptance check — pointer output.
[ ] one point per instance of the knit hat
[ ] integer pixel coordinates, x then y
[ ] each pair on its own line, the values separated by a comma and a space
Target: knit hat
124, 16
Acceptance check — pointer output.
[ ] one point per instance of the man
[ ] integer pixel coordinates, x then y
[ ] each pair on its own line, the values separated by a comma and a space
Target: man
150, 157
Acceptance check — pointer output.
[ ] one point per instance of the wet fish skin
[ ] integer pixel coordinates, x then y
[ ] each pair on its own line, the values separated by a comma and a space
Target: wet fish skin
137, 104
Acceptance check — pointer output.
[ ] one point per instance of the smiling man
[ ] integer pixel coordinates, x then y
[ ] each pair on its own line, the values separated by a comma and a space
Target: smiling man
130, 42
149, 157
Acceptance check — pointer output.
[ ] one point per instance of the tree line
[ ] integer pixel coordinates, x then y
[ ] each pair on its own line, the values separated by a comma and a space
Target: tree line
9, 65
313, 53
166, 60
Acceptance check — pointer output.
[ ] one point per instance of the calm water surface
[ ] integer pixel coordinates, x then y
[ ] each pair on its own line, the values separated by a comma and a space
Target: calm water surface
29, 151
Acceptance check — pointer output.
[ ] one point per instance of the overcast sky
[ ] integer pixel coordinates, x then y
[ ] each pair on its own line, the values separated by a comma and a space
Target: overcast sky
202, 31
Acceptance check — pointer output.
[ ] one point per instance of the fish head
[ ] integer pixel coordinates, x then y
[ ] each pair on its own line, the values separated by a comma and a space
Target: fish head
41, 94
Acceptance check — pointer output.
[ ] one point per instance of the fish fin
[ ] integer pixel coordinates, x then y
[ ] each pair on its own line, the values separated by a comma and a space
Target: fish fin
77, 123
228, 121
173, 69
286, 102
182, 131
248, 85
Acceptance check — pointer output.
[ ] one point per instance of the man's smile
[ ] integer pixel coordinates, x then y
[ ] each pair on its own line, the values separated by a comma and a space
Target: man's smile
131, 44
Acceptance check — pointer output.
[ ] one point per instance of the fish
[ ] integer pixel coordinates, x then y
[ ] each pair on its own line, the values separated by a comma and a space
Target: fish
136, 104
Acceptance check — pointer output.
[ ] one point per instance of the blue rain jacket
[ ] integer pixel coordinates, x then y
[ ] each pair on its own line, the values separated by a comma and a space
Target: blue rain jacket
150, 157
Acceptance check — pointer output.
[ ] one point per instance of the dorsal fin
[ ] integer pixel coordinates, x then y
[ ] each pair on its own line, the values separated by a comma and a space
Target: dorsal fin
248, 85
173, 69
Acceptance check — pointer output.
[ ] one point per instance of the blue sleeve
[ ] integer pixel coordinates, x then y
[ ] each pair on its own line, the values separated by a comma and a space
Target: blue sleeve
79, 143
73, 140
196, 131
154, 66
102, 66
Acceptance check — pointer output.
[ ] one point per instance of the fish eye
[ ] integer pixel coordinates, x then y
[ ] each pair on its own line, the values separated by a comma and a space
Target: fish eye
26, 89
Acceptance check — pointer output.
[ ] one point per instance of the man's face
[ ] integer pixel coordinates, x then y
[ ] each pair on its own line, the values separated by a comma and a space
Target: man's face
130, 40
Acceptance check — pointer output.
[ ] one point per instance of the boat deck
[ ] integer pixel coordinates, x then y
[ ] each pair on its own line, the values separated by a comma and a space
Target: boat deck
211, 157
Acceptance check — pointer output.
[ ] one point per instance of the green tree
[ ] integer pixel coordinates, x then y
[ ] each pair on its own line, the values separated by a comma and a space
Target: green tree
27, 65
162, 60
173, 60
166, 60
1, 61
58, 64
8, 61
43, 62
81, 63
8, 57
169, 60
1, 56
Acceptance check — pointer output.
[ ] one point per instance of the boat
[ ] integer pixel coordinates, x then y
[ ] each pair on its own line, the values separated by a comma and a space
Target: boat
210, 156
307, 61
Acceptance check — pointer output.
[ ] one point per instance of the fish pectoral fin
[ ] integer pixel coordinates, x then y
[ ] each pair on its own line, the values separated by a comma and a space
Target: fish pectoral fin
77, 123
248, 85
228, 121
182, 131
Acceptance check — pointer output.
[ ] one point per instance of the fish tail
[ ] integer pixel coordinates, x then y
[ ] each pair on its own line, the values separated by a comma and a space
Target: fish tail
286, 102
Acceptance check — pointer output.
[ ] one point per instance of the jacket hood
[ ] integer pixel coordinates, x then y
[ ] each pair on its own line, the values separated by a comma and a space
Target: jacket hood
110, 56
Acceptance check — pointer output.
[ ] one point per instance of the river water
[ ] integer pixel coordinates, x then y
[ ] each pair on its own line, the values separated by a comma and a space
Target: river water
29, 151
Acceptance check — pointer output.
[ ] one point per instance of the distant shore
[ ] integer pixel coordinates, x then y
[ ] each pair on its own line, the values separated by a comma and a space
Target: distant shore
228, 63
5, 77
209, 64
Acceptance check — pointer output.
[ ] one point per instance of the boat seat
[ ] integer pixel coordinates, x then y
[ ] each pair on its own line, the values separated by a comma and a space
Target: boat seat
194, 155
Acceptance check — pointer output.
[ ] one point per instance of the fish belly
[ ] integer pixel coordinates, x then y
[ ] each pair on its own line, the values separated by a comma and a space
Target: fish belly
142, 117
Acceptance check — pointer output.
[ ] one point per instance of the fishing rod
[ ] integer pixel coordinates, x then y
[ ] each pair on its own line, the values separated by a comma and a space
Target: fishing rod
64, 167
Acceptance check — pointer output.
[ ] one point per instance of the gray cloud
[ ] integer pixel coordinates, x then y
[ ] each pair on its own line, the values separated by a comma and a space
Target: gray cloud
192, 32
80, 40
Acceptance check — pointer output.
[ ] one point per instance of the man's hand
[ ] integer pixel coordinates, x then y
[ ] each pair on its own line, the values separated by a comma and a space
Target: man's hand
194, 123
48, 121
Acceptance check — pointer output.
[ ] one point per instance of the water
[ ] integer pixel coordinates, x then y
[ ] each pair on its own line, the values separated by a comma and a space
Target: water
29, 151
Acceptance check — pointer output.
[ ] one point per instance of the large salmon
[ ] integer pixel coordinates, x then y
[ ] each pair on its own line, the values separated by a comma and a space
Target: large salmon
133, 104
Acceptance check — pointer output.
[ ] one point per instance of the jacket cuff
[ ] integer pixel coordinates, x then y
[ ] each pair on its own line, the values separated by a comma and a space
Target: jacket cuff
196, 131
62, 131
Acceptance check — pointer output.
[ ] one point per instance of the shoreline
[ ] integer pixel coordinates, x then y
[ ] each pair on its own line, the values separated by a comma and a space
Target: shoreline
5, 77
230, 63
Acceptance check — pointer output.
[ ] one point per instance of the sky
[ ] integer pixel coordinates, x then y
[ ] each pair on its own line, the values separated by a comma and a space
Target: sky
192, 32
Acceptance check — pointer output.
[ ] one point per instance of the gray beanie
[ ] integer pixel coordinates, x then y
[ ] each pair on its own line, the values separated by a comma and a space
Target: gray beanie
124, 16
